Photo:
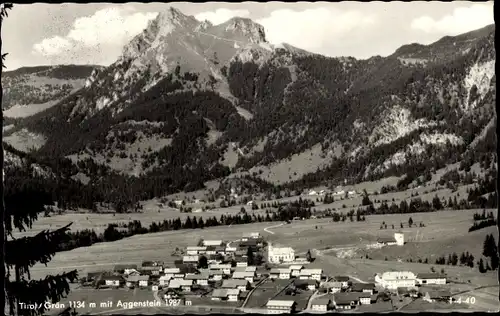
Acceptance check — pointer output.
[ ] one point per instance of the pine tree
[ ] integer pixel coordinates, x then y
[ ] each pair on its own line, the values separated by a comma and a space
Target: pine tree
22, 208
481, 266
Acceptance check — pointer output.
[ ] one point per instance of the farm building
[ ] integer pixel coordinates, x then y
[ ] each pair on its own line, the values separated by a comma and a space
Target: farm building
344, 280
242, 285
394, 279
397, 239
280, 306
151, 270
92, 276
211, 250
332, 287
184, 285
321, 304
314, 274
220, 250
152, 264
195, 250
249, 276
431, 278
407, 292
164, 280
137, 280
246, 268
231, 249
280, 273
124, 268
436, 295
226, 268
250, 203
199, 279
112, 280
309, 284
215, 275
363, 287
190, 259
295, 269
212, 243
349, 300
280, 255
186, 268
386, 241
230, 295
252, 235
169, 272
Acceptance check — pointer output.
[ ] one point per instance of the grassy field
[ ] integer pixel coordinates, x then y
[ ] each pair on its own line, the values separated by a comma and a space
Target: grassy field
266, 291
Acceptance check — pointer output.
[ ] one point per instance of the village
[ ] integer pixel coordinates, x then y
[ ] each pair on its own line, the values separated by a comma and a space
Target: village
252, 275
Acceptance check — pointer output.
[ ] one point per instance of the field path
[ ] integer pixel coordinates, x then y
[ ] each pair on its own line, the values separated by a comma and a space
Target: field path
270, 232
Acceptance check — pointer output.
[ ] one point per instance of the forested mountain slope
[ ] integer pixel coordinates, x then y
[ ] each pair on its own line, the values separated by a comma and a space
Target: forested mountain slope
185, 94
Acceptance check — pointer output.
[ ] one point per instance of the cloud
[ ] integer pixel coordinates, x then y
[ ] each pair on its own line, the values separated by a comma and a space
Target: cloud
113, 26
221, 15
314, 29
463, 19
53, 46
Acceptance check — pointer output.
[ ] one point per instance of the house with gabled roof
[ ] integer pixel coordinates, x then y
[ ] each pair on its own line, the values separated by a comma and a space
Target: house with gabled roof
137, 280
184, 285
242, 285
363, 287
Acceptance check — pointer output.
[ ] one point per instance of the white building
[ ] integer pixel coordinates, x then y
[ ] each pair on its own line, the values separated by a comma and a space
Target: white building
195, 250
280, 273
190, 259
400, 238
312, 274
244, 275
184, 285
252, 235
321, 304
280, 307
295, 269
430, 278
225, 268
212, 242
280, 255
394, 279
313, 193
164, 280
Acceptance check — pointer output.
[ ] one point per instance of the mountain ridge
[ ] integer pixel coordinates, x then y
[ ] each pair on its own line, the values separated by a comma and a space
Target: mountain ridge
171, 111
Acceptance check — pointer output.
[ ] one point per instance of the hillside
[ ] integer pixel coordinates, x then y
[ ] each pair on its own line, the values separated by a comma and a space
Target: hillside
29, 90
188, 102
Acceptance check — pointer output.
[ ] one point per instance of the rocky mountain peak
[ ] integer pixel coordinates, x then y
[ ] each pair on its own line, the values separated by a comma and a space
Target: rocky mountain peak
247, 28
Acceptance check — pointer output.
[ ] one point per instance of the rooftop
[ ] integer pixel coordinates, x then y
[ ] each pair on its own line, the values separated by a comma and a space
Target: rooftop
280, 303
321, 301
179, 282
362, 286
431, 276
348, 297
137, 278
225, 292
232, 283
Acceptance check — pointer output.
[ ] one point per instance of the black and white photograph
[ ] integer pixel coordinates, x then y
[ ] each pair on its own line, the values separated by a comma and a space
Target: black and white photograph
249, 158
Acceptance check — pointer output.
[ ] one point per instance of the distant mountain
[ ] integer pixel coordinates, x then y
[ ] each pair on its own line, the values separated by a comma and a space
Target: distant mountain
29, 90
189, 101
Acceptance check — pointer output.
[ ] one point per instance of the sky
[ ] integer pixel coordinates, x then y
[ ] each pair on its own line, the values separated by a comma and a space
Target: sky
51, 34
